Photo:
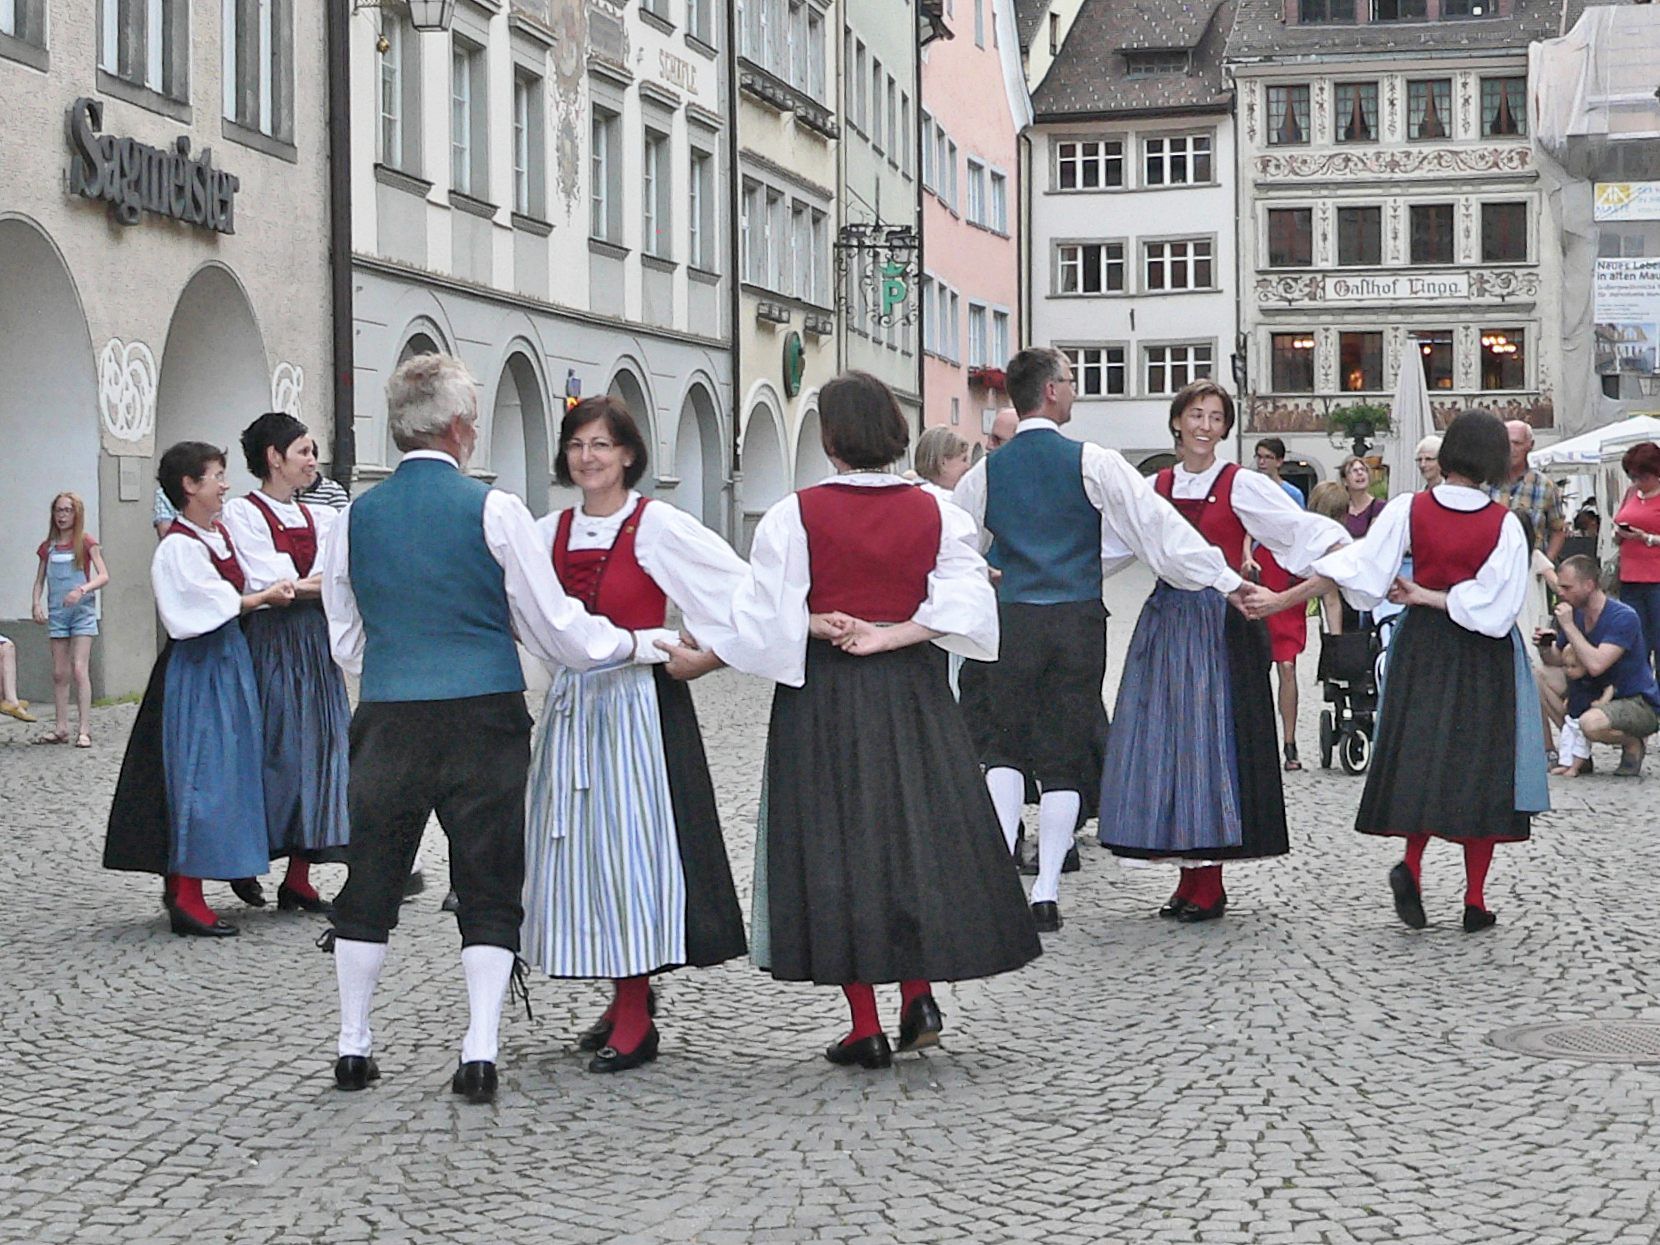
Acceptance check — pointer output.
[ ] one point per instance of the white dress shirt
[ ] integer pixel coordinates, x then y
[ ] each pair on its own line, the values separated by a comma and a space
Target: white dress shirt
1293, 535
191, 596
262, 563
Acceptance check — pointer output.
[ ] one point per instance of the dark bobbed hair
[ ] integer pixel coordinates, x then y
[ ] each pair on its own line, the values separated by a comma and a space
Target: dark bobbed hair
1191, 392
1028, 372
188, 460
619, 422
274, 430
1477, 447
860, 421
1274, 446
1642, 459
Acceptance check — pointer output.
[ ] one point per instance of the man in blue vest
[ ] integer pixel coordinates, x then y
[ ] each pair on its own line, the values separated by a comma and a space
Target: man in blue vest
427, 579
1064, 514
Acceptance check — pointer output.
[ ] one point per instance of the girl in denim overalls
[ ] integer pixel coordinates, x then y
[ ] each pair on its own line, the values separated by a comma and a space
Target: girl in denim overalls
71, 571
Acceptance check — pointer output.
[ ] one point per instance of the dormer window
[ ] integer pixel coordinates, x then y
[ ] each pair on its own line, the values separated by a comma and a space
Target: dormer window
1149, 62
1326, 12
1400, 10
1469, 8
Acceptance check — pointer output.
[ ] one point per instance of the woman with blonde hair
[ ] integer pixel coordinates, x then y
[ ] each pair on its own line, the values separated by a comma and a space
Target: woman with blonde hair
71, 570
941, 460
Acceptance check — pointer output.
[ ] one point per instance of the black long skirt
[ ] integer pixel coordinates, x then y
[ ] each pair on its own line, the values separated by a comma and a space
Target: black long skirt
882, 853
1445, 759
139, 835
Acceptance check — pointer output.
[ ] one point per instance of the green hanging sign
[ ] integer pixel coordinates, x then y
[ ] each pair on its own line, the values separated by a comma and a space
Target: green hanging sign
895, 289
795, 364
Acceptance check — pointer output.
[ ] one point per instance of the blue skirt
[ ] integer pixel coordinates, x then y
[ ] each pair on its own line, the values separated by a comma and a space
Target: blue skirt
306, 717
213, 752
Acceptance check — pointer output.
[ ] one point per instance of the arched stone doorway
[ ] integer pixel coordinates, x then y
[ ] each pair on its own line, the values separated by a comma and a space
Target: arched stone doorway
698, 460
812, 464
626, 385
519, 434
418, 342
766, 479
48, 406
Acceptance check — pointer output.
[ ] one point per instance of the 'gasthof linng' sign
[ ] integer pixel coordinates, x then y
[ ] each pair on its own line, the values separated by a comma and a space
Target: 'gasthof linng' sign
133, 177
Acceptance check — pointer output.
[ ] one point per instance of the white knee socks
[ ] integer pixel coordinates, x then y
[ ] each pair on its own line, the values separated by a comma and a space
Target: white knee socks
1057, 820
1008, 797
357, 968
487, 970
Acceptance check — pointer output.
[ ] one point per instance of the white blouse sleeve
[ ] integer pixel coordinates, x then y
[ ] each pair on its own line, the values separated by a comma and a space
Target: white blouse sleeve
961, 604
261, 564
700, 573
323, 518
765, 627
191, 596
1490, 602
970, 497
339, 601
1293, 535
1366, 569
1136, 520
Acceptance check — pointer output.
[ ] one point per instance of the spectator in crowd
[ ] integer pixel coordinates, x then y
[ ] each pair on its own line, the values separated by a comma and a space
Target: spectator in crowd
1287, 630
1606, 637
10, 705
941, 460
1637, 533
162, 513
1428, 458
70, 573
1003, 428
324, 491
1363, 509
1529, 492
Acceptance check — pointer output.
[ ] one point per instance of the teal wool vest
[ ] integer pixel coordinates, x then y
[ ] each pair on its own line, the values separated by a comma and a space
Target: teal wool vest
1047, 532
434, 601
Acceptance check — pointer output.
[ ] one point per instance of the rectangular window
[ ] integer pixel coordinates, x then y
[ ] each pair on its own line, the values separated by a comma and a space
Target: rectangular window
1292, 361
821, 259
814, 85
954, 326
659, 8
1429, 109
906, 134
1288, 115
857, 112
928, 151
1182, 265
976, 192
999, 338
999, 203
1182, 160
1435, 348
1400, 10
656, 203
1097, 371
526, 135
461, 118
979, 23
258, 77
1355, 119
1360, 362
779, 272
1359, 235
877, 129
700, 251
390, 134
144, 42
1325, 12
700, 20
892, 98
1089, 164
1290, 237
1504, 233
1432, 233
1503, 107
979, 336
1090, 268
752, 233
1503, 359
606, 171
1168, 368
1152, 62
951, 174
1467, 8
801, 244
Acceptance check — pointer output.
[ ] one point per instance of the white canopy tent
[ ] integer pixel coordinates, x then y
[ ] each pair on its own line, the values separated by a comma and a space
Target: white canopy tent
1584, 452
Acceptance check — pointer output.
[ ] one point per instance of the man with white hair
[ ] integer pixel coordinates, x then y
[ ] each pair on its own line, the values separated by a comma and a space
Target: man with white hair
1428, 458
426, 580
1532, 493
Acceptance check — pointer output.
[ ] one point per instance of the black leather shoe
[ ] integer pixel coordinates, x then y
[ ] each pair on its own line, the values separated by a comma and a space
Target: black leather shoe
475, 1081
1072, 863
1047, 915
1409, 904
249, 891
188, 926
1478, 919
596, 1035
610, 1059
288, 900
414, 884
869, 1052
452, 903
1174, 906
354, 1072
1193, 913
921, 1024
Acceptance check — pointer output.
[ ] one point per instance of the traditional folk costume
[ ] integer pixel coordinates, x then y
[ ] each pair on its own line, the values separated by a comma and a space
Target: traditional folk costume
1192, 773
189, 803
301, 691
1064, 514
1460, 751
878, 857
626, 870
426, 585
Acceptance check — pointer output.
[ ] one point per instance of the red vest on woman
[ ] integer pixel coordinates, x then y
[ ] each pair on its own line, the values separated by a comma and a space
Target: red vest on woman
299, 543
1449, 546
230, 570
1212, 514
870, 549
610, 582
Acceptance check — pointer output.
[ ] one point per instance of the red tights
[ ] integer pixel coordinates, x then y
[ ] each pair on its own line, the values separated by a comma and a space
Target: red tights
1478, 858
1202, 887
298, 878
861, 1001
187, 898
629, 1013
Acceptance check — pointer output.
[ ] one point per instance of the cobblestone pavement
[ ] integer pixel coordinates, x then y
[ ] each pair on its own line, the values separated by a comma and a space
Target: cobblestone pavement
1304, 1070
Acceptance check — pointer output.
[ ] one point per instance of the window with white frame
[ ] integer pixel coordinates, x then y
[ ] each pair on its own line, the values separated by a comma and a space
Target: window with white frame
700, 21
779, 274
656, 205
979, 23
1098, 371
814, 85
950, 178
752, 233
1168, 368
145, 42
469, 120
1090, 268
857, 113
979, 335
529, 196
389, 137
657, 8
801, 247
24, 20
907, 135
893, 121
925, 290
927, 151
1176, 160
257, 42
954, 326
1089, 164
878, 128
605, 169
701, 237
998, 217
820, 250
795, 37
999, 338
1184, 264
976, 191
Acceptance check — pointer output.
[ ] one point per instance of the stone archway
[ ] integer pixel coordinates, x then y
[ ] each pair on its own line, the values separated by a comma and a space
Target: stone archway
519, 434
766, 478
698, 460
626, 386
418, 342
812, 464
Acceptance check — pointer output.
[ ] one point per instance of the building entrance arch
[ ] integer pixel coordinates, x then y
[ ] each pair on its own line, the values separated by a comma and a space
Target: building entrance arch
519, 434
626, 386
698, 459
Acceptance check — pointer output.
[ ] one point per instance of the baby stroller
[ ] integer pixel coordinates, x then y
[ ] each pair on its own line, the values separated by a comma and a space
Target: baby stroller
1349, 666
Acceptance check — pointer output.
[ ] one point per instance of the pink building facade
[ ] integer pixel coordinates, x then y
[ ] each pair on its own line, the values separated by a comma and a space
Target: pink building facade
974, 107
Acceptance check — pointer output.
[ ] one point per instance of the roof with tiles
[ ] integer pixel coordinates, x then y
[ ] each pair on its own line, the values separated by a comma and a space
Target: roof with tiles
1091, 75
1261, 31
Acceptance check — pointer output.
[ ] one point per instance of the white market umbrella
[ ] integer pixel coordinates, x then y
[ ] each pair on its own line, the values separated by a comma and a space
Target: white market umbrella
1411, 417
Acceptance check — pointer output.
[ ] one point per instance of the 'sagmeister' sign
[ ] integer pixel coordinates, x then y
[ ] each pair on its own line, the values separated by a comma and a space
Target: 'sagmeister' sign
134, 178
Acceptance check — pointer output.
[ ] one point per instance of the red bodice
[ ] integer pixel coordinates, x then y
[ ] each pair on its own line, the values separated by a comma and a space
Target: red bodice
1212, 514
870, 549
299, 543
230, 570
1449, 546
610, 582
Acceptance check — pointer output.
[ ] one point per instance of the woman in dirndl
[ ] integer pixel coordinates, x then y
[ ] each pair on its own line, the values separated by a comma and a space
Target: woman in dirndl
190, 801
626, 873
302, 693
879, 857
1192, 776
1460, 751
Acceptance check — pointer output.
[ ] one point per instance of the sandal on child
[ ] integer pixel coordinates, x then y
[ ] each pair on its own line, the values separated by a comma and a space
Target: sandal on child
83, 740
1292, 764
52, 737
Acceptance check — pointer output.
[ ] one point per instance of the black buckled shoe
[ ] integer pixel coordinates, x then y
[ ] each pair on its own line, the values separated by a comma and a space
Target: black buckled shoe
1409, 902
249, 891
414, 884
1174, 907
1047, 916
921, 1024
1193, 913
289, 900
1477, 919
452, 902
355, 1072
188, 926
475, 1081
596, 1035
868, 1052
1071, 863
610, 1059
